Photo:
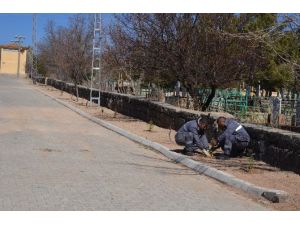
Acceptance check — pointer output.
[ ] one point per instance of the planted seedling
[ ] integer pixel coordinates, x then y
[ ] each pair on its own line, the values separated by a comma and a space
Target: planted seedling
150, 126
115, 115
250, 163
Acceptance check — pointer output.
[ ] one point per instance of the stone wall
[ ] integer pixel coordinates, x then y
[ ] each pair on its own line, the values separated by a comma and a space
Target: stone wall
277, 147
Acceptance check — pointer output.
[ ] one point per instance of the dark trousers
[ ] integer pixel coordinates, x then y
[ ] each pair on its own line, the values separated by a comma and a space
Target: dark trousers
233, 147
187, 139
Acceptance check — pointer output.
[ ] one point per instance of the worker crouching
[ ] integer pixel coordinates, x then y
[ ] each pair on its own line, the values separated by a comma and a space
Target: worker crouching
192, 136
234, 139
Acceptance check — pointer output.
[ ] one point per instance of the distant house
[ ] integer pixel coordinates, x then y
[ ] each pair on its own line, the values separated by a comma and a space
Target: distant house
9, 59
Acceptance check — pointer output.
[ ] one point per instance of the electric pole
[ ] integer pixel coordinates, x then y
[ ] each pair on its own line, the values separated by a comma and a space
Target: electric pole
96, 58
33, 52
18, 40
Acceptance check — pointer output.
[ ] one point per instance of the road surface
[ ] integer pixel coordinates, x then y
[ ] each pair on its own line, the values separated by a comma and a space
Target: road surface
53, 159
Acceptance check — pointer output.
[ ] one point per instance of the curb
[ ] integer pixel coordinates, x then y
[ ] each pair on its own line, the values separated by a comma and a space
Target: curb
272, 195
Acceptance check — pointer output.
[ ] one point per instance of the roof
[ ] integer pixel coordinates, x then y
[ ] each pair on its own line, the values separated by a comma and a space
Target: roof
13, 46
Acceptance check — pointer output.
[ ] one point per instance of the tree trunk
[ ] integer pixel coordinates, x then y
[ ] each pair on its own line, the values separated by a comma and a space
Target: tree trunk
62, 90
76, 89
270, 92
194, 97
196, 102
209, 99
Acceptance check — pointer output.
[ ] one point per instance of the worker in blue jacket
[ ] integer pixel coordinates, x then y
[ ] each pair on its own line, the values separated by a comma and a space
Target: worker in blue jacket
234, 139
192, 136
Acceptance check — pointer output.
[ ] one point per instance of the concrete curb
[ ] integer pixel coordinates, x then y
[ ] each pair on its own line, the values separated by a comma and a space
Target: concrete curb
272, 195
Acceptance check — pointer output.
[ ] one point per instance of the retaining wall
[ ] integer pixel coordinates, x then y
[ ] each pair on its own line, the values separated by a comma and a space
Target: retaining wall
277, 147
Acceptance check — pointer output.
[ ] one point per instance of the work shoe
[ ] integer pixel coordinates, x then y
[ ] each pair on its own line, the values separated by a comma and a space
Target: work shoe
223, 157
188, 153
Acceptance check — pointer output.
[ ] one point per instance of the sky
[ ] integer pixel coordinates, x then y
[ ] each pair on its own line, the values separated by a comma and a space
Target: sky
21, 24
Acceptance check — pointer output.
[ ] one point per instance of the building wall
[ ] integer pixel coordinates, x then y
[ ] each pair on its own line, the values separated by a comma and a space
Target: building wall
9, 61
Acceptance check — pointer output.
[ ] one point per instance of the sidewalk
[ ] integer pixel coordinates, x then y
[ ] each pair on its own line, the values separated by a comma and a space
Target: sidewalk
255, 172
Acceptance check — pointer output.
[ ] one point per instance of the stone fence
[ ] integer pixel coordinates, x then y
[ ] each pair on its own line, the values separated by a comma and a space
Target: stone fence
277, 147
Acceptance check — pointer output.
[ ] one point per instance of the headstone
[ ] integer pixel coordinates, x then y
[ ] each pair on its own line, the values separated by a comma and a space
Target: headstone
275, 110
293, 120
263, 93
177, 88
258, 91
281, 120
184, 92
298, 113
161, 96
248, 91
279, 94
189, 103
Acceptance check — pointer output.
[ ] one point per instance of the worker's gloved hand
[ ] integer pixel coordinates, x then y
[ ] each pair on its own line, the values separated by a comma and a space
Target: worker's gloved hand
206, 152
213, 142
214, 148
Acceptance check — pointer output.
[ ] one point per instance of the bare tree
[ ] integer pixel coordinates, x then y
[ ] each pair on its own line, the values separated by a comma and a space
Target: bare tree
66, 51
187, 47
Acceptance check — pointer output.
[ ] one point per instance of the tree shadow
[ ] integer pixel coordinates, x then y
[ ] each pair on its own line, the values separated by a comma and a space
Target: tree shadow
240, 163
149, 157
163, 169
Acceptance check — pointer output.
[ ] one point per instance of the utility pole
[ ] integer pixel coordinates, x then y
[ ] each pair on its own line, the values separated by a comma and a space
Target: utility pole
18, 40
33, 53
96, 58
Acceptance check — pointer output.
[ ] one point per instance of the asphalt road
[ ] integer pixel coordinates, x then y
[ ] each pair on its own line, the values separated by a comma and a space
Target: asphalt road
53, 159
